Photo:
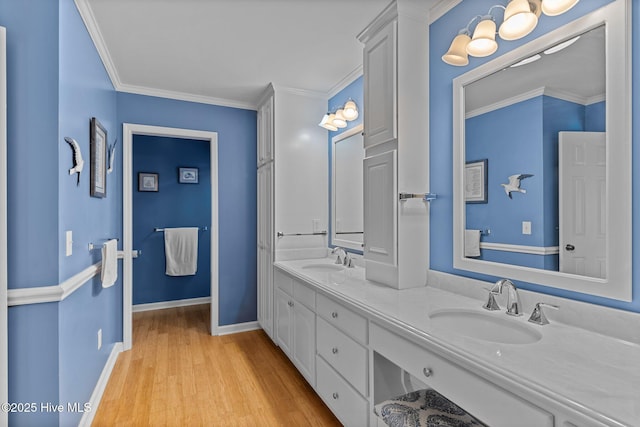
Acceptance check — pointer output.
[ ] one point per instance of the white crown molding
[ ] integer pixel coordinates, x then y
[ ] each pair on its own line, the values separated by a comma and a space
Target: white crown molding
170, 304
531, 250
346, 81
441, 8
101, 385
182, 96
90, 22
554, 93
301, 92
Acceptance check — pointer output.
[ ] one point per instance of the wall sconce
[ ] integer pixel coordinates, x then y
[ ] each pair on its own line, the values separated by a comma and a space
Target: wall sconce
519, 19
339, 119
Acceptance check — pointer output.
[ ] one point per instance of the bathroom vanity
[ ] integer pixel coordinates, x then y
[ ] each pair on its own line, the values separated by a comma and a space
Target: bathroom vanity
359, 343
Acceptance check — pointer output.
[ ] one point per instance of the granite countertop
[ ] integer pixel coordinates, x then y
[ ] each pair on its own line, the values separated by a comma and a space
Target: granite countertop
591, 373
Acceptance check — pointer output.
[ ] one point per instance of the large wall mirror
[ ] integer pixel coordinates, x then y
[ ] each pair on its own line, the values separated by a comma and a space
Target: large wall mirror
347, 228
542, 159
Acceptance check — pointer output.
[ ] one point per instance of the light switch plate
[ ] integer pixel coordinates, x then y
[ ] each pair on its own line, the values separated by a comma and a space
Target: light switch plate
69, 244
316, 225
526, 227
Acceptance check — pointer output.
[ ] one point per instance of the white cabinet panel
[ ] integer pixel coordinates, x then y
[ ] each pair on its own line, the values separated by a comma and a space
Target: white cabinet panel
380, 106
380, 214
343, 318
304, 341
350, 408
283, 321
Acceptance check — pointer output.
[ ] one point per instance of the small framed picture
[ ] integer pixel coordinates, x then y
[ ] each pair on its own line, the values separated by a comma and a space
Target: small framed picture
475, 181
98, 152
188, 175
147, 181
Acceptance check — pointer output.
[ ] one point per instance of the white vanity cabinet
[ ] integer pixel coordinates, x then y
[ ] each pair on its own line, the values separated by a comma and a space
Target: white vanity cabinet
396, 108
295, 321
342, 361
491, 404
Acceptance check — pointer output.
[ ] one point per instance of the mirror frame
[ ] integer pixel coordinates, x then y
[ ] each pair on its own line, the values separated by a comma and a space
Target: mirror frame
346, 244
618, 282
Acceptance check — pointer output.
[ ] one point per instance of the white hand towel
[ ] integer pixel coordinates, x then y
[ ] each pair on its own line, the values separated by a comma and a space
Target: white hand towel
181, 251
109, 269
471, 243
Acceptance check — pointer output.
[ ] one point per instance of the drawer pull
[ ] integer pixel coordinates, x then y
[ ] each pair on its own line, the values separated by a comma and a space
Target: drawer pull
290, 303
334, 314
427, 372
335, 396
334, 350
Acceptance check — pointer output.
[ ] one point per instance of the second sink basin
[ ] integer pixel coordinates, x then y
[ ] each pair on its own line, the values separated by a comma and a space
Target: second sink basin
493, 327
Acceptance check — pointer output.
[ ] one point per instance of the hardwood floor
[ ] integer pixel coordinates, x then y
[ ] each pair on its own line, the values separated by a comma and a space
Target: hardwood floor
178, 375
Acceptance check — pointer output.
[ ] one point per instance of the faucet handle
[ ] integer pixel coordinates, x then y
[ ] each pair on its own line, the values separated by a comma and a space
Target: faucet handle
537, 316
491, 303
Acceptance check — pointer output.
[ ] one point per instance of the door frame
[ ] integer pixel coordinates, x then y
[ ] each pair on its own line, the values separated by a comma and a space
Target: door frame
4, 326
128, 131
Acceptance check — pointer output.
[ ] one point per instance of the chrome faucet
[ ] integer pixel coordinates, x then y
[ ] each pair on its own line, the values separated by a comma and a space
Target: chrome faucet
514, 306
343, 258
538, 317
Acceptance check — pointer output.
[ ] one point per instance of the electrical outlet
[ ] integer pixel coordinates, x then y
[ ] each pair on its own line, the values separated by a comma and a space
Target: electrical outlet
526, 227
99, 338
69, 243
316, 225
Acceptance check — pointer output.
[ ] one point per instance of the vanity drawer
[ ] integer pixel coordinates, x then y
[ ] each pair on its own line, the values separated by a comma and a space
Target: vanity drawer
283, 281
350, 408
491, 404
342, 318
304, 294
345, 355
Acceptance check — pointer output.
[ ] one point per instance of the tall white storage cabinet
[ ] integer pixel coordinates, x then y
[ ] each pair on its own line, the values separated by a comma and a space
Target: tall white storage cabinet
396, 141
265, 213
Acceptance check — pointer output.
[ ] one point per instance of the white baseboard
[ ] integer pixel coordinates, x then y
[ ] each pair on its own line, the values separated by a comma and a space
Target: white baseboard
238, 327
96, 396
171, 304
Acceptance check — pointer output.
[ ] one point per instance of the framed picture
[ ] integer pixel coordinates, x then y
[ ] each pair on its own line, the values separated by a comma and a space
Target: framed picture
98, 169
188, 175
475, 181
147, 181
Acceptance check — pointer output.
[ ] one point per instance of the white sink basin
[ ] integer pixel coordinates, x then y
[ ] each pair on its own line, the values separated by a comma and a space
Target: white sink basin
493, 327
323, 268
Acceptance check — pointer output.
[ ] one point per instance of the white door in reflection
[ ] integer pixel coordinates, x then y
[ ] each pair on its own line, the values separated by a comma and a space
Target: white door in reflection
582, 170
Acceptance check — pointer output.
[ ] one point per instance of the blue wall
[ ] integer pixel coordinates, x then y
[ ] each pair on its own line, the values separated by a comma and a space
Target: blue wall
56, 82
355, 91
441, 75
174, 205
237, 177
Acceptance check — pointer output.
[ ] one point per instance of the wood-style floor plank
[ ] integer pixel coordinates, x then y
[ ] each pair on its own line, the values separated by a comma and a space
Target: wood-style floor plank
178, 375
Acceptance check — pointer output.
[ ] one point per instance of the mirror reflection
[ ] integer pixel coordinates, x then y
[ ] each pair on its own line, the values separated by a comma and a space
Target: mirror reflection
535, 187
348, 153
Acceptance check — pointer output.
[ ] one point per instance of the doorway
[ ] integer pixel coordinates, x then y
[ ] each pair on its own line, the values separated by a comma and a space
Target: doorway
4, 328
129, 130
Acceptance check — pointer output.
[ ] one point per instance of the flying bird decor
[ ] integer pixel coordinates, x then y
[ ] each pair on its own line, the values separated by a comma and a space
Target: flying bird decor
514, 184
112, 155
78, 162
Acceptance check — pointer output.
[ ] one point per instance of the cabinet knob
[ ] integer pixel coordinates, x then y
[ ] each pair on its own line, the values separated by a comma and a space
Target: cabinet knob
335, 396
334, 314
427, 372
334, 350
290, 303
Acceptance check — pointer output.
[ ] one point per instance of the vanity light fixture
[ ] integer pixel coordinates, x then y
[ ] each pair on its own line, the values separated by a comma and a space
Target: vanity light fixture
339, 119
520, 18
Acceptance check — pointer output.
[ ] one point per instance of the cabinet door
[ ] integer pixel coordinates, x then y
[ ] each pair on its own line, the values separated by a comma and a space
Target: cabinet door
265, 131
380, 104
380, 208
304, 341
265, 249
283, 321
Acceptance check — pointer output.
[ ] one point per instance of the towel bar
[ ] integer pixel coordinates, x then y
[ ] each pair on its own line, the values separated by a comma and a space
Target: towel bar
319, 233
94, 246
205, 228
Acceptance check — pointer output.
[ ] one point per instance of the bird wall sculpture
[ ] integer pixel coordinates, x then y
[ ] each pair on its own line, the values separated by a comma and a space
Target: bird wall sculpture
514, 184
78, 162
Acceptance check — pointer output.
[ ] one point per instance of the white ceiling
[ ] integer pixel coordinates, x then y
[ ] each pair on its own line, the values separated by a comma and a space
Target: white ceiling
228, 51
